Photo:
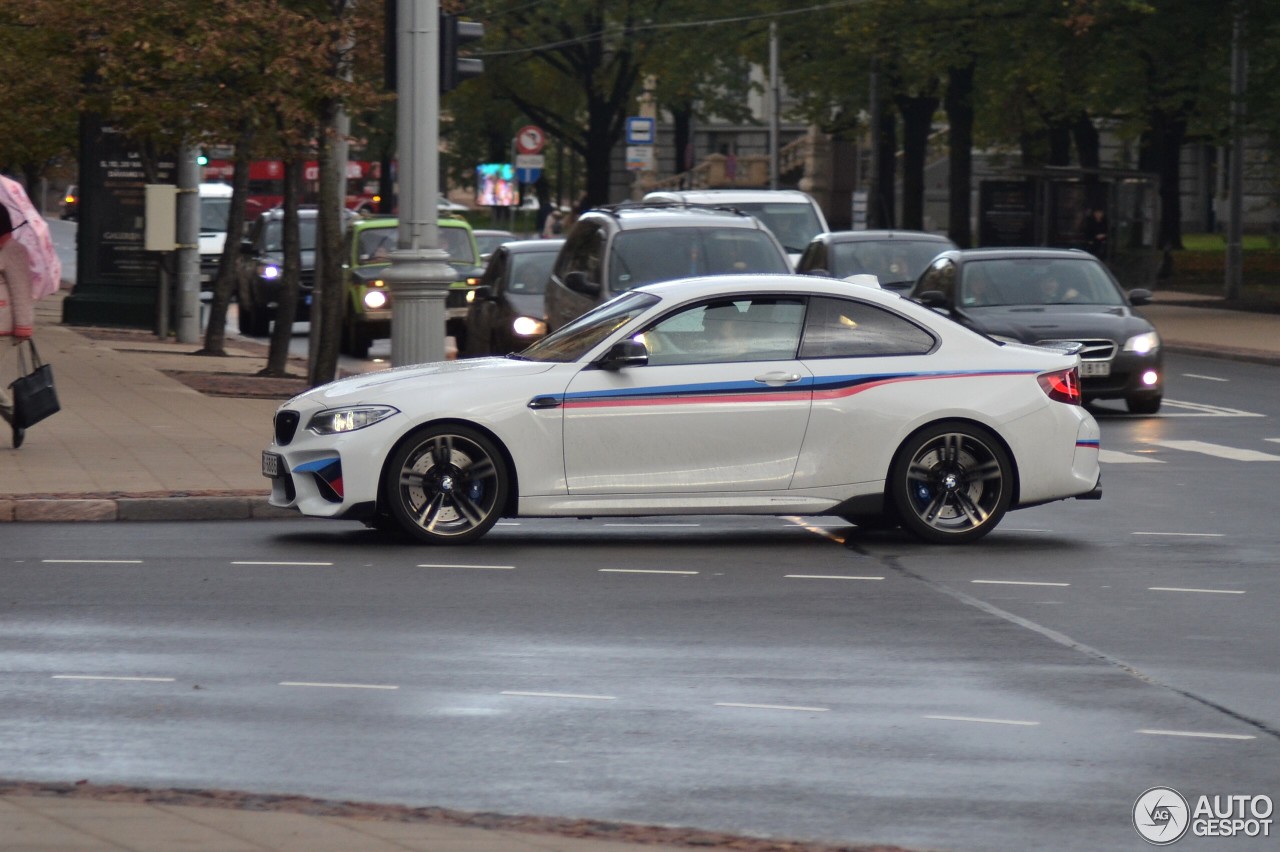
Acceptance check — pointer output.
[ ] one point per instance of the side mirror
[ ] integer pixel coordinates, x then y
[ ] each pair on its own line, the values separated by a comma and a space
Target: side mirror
625, 353
1140, 296
483, 293
578, 283
935, 299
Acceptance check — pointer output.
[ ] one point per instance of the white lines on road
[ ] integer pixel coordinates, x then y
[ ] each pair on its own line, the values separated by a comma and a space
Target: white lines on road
476, 567
1205, 378
1184, 534
641, 571
559, 695
1017, 583
1196, 409
827, 577
290, 564
1196, 591
112, 677
653, 525
1217, 450
1202, 734
773, 707
338, 685
1117, 457
984, 721
92, 561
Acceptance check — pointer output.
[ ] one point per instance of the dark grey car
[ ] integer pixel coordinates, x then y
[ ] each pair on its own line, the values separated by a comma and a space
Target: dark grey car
1048, 296
896, 258
509, 310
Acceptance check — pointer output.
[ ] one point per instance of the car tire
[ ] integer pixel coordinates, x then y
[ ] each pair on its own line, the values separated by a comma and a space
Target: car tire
951, 482
1144, 403
446, 484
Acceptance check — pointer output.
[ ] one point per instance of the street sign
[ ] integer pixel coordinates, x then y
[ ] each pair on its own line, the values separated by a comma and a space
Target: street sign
640, 131
528, 175
530, 139
640, 158
529, 167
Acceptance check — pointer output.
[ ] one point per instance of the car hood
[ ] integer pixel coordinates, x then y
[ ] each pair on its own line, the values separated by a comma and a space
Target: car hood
1059, 322
418, 380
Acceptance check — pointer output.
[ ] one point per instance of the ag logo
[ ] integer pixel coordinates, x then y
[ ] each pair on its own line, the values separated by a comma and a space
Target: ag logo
1161, 816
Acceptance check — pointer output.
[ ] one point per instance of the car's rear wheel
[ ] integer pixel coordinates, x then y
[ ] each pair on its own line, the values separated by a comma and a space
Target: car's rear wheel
447, 485
951, 483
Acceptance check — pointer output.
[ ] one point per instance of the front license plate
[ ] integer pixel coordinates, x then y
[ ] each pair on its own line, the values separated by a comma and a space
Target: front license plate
271, 464
1095, 368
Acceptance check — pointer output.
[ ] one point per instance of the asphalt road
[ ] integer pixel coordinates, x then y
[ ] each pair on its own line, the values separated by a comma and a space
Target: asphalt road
783, 677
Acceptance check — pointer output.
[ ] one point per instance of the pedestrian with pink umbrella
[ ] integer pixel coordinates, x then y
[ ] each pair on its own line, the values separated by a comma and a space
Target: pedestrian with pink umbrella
17, 312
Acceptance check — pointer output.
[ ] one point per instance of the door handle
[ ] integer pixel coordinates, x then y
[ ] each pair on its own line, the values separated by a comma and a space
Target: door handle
539, 403
778, 378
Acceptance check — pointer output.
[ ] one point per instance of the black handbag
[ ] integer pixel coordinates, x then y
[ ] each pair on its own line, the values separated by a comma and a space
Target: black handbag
34, 396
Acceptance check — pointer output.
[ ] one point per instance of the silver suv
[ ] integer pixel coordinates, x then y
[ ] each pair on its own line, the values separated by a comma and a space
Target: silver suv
793, 216
613, 249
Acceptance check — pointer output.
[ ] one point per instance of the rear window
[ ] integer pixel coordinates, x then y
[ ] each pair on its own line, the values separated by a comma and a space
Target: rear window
530, 272
892, 261
662, 254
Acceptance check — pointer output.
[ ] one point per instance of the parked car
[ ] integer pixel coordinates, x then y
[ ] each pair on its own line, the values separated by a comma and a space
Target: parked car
367, 299
509, 311
71, 203
488, 240
261, 267
215, 210
612, 249
896, 258
1051, 296
742, 394
793, 216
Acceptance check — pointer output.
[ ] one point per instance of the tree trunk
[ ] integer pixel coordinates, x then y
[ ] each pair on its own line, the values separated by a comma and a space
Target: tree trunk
959, 106
917, 122
1088, 144
882, 195
287, 304
215, 336
326, 296
682, 135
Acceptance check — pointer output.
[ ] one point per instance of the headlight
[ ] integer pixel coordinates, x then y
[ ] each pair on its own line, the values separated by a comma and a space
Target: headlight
1143, 344
268, 271
338, 420
527, 326
374, 299
471, 296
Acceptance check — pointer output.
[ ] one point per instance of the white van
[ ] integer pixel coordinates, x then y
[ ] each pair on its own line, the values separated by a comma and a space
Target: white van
793, 216
215, 209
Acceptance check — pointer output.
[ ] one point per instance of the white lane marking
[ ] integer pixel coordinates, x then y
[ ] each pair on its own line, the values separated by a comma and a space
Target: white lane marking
1196, 409
1217, 450
1117, 457
109, 677
1017, 583
773, 707
559, 695
297, 564
1206, 378
337, 685
983, 721
1024, 529
1274, 440
800, 522
92, 561
1203, 734
641, 571
508, 524
477, 567
653, 525
1199, 591
1185, 535
827, 577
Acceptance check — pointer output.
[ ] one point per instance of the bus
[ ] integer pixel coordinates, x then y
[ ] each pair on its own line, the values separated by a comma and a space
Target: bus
266, 183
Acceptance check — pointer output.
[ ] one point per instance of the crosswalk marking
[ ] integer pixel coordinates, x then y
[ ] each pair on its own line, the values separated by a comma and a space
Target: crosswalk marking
1117, 457
1216, 450
1198, 409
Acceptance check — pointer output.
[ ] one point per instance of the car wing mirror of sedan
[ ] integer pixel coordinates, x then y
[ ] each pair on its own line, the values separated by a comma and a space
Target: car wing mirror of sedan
1140, 296
625, 353
483, 293
577, 281
933, 299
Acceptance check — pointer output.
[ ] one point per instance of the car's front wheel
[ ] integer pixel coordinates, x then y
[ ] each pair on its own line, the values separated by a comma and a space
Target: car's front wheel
951, 483
447, 484
1143, 403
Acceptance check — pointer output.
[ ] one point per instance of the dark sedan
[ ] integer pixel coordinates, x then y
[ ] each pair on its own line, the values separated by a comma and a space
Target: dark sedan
509, 310
896, 258
1050, 296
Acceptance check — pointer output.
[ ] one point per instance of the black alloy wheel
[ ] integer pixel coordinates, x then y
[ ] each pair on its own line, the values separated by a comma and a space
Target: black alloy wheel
447, 485
951, 483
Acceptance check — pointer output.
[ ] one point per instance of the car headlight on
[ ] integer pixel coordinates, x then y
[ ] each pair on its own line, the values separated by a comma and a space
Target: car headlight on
375, 299
528, 326
337, 420
268, 271
471, 296
1143, 344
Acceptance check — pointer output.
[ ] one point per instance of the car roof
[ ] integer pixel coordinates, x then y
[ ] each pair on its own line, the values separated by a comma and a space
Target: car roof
880, 236
393, 222
490, 232
714, 285
659, 215
1029, 252
727, 196
530, 246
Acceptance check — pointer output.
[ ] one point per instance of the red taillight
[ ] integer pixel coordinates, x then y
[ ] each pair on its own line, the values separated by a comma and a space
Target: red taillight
1062, 385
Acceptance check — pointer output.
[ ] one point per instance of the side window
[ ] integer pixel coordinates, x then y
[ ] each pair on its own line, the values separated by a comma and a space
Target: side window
581, 252
495, 273
759, 329
814, 257
842, 328
940, 276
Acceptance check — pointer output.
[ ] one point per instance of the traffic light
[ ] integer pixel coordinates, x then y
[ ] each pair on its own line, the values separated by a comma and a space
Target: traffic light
202, 158
454, 68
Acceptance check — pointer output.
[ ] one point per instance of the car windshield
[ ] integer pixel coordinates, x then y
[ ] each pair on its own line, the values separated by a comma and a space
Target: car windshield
376, 244
214, 213
664, 254
793, 224
580, 336
457, 242
530, 272
1037, 281
273, 239
893, 261
488, 242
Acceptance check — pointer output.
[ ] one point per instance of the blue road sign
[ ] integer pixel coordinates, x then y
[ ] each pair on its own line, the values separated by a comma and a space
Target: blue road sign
528, 175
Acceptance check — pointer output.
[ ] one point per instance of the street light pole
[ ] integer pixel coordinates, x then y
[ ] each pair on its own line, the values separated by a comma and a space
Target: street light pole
419, 275
1235, 228
775, 104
